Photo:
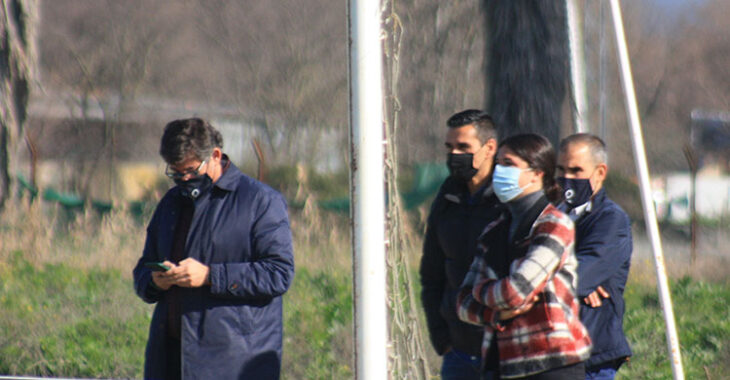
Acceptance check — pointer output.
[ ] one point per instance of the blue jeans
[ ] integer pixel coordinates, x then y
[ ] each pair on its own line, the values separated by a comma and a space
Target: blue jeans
458, 365
601, 374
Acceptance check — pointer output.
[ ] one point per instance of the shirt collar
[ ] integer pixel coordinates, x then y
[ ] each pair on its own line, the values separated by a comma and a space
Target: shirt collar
576, 212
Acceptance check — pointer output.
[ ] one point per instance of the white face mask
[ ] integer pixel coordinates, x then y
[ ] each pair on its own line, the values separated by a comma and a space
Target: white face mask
506, 182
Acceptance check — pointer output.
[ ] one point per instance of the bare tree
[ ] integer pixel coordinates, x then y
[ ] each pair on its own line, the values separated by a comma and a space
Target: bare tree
528, 65
17, 62
108, 50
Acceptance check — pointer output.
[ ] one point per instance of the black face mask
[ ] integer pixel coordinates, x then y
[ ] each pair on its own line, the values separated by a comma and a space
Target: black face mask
195, 187
460, 166
576, 191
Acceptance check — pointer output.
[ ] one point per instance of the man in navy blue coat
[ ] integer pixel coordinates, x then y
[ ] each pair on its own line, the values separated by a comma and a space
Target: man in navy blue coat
217, 259
603, 247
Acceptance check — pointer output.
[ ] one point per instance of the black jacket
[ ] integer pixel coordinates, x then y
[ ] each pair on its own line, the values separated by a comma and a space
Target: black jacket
603, 247
455, 222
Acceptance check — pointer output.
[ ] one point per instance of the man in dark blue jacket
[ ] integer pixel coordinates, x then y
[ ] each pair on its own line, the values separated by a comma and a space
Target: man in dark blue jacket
603, 247
217, 258
461, 210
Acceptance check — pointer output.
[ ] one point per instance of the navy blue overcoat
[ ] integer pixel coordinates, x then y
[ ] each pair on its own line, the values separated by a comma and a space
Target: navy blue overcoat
231, 329
603, 247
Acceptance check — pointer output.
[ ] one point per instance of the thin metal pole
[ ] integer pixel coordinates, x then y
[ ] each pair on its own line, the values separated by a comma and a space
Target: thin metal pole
603, 70
577, 67
648, 205
367, 188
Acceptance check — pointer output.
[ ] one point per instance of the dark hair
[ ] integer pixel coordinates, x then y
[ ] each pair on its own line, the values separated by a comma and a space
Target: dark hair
594, 143
186, 138
481, 121
539, 154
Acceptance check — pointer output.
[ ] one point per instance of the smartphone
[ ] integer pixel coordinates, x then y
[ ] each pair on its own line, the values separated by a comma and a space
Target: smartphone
156, 267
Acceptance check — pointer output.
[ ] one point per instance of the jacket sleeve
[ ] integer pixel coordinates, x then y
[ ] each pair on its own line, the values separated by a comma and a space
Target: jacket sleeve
143, 285
603, 250
433, 284
550, 246
468, 308
271, 269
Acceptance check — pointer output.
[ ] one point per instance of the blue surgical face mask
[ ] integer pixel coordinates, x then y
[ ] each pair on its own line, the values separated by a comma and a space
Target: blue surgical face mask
506, 182
576, 191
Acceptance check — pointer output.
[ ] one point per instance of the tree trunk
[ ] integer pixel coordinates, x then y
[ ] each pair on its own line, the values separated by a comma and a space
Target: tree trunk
528, 65
17, 63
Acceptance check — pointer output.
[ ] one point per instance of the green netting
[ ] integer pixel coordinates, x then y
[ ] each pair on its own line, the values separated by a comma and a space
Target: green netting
427, 179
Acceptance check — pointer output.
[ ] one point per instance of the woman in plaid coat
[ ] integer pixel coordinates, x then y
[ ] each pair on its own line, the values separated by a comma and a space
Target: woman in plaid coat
521, 285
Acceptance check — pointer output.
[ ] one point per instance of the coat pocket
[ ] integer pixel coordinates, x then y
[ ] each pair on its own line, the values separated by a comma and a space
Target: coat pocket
246, 319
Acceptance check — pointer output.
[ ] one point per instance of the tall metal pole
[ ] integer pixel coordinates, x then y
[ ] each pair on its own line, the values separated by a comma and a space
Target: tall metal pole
603, 70
648, 205
367, 188
577, 67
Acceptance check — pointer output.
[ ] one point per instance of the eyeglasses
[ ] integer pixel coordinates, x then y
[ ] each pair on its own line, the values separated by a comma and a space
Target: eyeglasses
171, 173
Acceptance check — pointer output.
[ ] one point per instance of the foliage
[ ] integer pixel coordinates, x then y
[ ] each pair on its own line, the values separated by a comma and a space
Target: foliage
287, 180
67, 307
317, 325
64, 321
700, 310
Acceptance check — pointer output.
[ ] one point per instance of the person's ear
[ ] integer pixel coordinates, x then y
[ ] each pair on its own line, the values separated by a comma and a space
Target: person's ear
601, 172
217, 154
491, 146
538, 176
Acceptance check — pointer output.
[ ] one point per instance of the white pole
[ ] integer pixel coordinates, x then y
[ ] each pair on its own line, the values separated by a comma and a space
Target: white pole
367, 188
577, 67
646, 200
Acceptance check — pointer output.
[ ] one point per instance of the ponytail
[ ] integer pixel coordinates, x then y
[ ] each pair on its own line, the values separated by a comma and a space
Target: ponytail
553, 191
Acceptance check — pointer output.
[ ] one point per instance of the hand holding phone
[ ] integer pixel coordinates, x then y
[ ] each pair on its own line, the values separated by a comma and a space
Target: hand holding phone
157, 267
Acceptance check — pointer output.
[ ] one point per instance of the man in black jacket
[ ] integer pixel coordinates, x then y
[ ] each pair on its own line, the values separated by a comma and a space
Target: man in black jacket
461, 210
603, 247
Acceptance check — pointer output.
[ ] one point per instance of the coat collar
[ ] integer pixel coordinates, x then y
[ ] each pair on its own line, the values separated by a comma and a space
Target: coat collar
524, 230
230, 176
457, 192
525, 227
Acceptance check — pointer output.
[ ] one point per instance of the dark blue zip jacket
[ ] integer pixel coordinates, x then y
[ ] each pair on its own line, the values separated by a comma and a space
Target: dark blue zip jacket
603, 247
231, 329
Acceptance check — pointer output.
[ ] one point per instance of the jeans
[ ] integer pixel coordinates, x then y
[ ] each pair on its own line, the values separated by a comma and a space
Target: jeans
601, 374
459, 365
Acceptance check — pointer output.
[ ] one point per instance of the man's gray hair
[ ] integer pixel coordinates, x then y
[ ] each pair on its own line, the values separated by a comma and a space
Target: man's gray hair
594, 143
189, 138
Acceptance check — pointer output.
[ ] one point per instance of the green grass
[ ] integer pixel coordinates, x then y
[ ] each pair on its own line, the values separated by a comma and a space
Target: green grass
67, 307
58, 320
703, 327
317, 326
63, 321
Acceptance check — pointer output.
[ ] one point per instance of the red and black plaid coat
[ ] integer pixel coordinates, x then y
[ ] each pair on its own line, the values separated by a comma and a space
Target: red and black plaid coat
543, 265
